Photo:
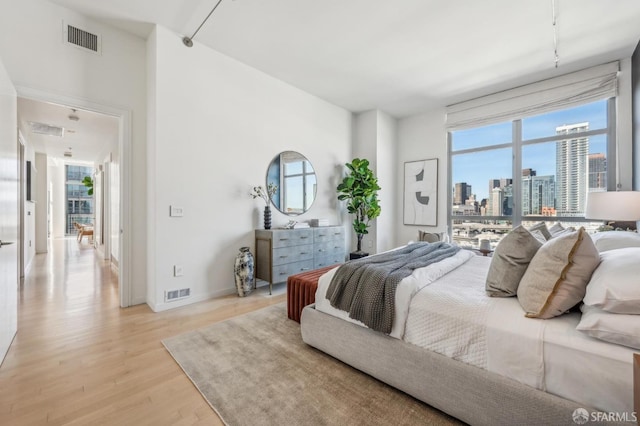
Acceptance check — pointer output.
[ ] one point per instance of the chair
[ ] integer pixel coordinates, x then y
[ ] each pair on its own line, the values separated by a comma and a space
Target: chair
84, 229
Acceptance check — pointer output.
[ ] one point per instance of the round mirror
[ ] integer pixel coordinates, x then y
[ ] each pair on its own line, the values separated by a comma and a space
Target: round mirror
296, 181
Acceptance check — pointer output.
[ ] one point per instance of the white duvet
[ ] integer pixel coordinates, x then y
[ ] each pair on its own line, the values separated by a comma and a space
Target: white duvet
407, 288
444, 308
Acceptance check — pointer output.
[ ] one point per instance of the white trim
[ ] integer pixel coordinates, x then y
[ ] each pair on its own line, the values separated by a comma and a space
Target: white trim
124, 146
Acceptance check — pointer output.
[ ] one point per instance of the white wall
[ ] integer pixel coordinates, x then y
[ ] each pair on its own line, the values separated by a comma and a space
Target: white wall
57, 181
375, 138
114, 203
387, 179
217, 124
365, 136
421, 137
29, 217
39, 60
42, 185
8, 212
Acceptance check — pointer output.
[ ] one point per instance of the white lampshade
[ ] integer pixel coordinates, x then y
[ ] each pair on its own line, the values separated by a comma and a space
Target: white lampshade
618, 205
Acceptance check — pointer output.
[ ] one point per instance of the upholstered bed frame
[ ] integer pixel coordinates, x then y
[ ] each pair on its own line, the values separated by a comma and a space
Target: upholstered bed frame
471, 394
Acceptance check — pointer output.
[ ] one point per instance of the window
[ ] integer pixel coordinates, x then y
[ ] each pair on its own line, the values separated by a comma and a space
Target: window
529, 169
79, 202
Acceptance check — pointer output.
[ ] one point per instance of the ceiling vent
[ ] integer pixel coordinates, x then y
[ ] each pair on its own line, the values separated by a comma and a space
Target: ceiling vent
82, 39
68, 154
46, 129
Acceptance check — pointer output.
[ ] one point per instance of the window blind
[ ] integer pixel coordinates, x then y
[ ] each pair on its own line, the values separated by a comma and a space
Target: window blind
576, 88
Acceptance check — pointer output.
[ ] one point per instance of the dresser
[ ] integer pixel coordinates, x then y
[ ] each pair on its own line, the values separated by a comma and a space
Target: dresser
284, 252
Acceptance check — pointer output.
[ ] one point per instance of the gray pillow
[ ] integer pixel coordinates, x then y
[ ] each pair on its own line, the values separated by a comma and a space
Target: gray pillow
557, 277
510, 261
430, 237
542, 227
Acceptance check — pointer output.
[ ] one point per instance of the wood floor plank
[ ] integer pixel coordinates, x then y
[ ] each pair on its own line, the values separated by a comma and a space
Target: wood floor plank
79, 359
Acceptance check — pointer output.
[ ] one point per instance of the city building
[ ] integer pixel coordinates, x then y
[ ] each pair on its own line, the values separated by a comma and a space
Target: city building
597, 172
571, 170
461, 193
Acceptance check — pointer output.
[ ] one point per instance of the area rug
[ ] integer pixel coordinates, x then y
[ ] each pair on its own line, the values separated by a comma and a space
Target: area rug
255, 370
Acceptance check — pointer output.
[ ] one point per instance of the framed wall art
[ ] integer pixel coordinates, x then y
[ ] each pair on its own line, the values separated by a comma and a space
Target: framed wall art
421, 192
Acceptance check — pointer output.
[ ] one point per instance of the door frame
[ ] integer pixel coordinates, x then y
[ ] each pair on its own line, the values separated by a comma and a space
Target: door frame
124, 147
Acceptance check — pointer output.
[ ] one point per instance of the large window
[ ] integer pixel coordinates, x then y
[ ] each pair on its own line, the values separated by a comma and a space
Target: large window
79, 202
529, 169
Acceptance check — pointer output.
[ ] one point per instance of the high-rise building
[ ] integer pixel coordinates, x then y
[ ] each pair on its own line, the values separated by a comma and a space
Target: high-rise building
527, 175
597, 172
571, 170
543, 194
461, 192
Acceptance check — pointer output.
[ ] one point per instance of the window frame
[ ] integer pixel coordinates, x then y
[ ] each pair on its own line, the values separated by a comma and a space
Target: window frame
516, 145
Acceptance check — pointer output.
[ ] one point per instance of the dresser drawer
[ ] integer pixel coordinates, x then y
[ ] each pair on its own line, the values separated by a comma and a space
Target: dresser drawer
326, 248
294, 237
322, 261
282, 272
321, 235
291, 254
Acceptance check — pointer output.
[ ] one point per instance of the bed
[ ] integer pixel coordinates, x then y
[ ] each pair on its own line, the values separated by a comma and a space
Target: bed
478, 358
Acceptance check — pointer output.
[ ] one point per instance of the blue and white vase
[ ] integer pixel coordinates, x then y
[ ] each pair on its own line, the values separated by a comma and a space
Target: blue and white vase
243, 271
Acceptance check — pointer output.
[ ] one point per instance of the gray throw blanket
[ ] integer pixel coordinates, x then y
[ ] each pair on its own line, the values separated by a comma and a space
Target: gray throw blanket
366, 288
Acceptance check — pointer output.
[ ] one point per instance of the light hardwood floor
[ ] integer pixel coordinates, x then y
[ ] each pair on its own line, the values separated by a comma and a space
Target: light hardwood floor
79, 359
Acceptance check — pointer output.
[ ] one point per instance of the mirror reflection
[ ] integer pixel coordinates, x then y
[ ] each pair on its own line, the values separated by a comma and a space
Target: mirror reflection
296, 181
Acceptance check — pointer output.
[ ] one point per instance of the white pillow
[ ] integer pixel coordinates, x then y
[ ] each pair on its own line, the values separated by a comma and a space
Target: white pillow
611, 240
615, 328
615, 284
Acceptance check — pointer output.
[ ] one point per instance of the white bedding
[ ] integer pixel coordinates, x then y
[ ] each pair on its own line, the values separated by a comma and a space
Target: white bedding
449, 313
405, 291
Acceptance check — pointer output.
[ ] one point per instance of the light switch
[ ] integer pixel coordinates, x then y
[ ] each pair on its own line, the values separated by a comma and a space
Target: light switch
175, 211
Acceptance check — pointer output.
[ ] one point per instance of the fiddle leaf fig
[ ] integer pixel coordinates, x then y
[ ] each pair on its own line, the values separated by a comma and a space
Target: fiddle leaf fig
88, 182
360, 189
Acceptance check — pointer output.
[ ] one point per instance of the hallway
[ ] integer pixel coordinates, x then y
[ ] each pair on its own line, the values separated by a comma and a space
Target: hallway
80, 359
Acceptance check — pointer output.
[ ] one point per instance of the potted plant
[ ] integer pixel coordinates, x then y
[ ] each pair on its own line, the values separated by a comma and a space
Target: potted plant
88, 182
266, 195
360, 189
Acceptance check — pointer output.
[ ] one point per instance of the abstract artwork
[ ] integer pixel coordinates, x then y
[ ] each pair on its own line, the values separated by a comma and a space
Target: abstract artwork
421, 192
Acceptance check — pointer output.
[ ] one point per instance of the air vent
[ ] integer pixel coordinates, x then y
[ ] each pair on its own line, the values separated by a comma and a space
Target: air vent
68, 154
85, 40
46, 129
173, 295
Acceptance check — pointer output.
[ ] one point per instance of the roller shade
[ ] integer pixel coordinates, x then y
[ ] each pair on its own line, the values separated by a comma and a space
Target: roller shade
580, 87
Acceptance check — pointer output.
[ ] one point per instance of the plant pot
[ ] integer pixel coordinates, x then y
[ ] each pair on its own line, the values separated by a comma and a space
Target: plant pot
357, 255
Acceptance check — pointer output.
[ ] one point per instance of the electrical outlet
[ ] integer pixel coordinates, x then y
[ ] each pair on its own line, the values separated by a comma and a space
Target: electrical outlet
175, 211
178, 270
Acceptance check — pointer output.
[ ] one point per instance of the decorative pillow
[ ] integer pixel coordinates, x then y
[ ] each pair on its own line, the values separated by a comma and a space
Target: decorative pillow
510, 261
555, 229
557, 276
611, 240
615, 284
542, 227
430, 237
539, 236
615, 328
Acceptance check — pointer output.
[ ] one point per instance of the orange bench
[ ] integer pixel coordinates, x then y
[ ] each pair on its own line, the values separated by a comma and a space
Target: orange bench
301, 291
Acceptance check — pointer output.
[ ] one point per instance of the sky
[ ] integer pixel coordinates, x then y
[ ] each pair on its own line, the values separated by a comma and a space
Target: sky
478, 168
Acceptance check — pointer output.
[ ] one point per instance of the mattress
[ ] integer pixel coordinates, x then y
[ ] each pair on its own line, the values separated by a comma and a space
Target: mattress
452, 315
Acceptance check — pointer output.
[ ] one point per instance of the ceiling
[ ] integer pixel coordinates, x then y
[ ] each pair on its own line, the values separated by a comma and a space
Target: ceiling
403, 56
89, 138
